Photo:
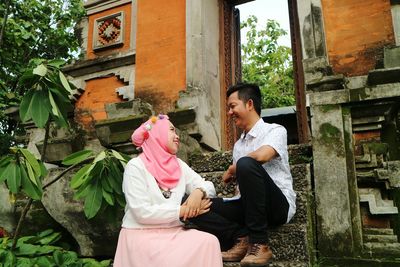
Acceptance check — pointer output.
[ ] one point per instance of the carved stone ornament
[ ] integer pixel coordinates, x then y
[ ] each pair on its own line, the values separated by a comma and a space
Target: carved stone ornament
108, 31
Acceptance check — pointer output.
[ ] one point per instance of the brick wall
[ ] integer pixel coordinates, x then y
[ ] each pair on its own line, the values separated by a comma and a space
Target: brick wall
90, 106
160, 52
356, 31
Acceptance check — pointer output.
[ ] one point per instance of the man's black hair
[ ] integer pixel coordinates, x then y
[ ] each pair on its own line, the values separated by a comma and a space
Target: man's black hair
247, 91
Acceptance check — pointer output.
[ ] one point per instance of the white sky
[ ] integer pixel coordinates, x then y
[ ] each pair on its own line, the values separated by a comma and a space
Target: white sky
267, 9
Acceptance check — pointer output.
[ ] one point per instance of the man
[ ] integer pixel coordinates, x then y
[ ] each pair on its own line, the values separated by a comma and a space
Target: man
261, 169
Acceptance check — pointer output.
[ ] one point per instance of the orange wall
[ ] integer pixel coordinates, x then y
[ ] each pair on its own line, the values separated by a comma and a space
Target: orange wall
90, 106
356, 31
127, 31
160, 52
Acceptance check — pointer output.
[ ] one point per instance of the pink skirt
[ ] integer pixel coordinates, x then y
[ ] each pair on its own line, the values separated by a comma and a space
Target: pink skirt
168, 247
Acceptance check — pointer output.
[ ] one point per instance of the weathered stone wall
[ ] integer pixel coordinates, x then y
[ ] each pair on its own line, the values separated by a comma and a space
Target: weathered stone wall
356, 32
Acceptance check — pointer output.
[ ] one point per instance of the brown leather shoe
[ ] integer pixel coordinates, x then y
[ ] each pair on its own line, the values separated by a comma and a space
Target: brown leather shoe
237, 252
257, 255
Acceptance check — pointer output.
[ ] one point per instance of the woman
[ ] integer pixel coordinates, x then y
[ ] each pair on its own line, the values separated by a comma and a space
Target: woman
154, 184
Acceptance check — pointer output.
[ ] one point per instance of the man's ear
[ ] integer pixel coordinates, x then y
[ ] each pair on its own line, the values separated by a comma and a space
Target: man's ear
250, 104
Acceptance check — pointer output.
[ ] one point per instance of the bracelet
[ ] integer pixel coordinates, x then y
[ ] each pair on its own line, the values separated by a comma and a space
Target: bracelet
204, 192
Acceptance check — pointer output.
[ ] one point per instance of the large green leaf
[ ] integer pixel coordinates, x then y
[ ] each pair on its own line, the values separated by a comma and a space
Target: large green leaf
4, 162
40, 70
25, 109
50, 239
26, 249
40, 109
31, 174
77, 157
56, 63
54, 108
79, 177
28, 187
31, 160
13, 177
108, 197
65, 82
93, 200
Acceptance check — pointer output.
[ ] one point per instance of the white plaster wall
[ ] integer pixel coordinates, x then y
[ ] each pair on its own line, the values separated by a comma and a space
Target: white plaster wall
202, 68
396, 22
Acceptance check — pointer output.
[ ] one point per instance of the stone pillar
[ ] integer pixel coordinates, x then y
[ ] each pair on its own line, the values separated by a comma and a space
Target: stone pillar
396, 19
331, 182
202, 69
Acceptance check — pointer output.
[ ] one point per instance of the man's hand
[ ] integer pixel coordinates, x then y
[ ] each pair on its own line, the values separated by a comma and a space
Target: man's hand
229, 174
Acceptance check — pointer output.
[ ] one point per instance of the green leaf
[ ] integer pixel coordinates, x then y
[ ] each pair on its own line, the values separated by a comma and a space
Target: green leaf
65, 82
81, 192
13, 177
108, 197
26, 250
40, 70
80, 176
50, 239
31, 160
25, 109
54, 107
40, 110
29, 188
93, 200
31, 175
4, 162
58, 258
100, 156
45, 233
117, 155
56, 63
77, 157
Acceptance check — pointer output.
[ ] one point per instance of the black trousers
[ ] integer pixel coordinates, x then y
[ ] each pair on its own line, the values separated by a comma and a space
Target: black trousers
262, 205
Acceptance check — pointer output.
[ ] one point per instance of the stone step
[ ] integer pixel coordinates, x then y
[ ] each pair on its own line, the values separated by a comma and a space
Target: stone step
378, 231
383, 248
272, 263
220, 161
380, 238
376, 204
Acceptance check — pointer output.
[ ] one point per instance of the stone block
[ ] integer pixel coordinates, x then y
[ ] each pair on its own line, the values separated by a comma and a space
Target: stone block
391, 57
128, 108
383, 76
301, 153
209, 162
326, 83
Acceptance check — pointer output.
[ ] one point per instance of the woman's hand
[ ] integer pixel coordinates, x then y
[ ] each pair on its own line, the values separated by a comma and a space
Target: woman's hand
205, 205
193, 204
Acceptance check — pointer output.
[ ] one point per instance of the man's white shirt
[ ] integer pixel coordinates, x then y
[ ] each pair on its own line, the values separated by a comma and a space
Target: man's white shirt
275, 136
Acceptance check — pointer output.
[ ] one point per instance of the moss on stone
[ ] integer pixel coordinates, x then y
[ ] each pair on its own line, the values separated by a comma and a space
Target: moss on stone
328, 107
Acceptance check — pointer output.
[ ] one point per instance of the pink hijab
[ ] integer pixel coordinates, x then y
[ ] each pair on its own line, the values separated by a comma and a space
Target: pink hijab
152, 137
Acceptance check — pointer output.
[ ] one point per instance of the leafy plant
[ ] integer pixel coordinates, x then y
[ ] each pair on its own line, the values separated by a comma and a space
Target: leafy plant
22, 171
47, 93
99, 183
41, 250
267, 63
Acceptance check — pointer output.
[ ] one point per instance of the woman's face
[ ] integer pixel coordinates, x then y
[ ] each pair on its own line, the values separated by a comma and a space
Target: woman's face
173, 140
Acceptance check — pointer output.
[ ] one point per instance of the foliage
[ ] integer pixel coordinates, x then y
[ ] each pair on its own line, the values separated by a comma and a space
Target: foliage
41, 250
268, 64
32, 29
22, 171
98, 182
47, 93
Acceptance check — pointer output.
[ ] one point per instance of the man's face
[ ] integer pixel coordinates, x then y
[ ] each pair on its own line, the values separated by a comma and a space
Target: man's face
238, 110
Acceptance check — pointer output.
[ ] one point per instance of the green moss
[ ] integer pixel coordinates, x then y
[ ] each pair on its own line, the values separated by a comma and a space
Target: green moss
327, 108
378, 148
329, 132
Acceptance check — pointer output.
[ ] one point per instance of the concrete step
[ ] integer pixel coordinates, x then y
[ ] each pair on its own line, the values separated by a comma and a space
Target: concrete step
378, 231
220, 161
382, 248
273, 263
376, 204
380, 238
